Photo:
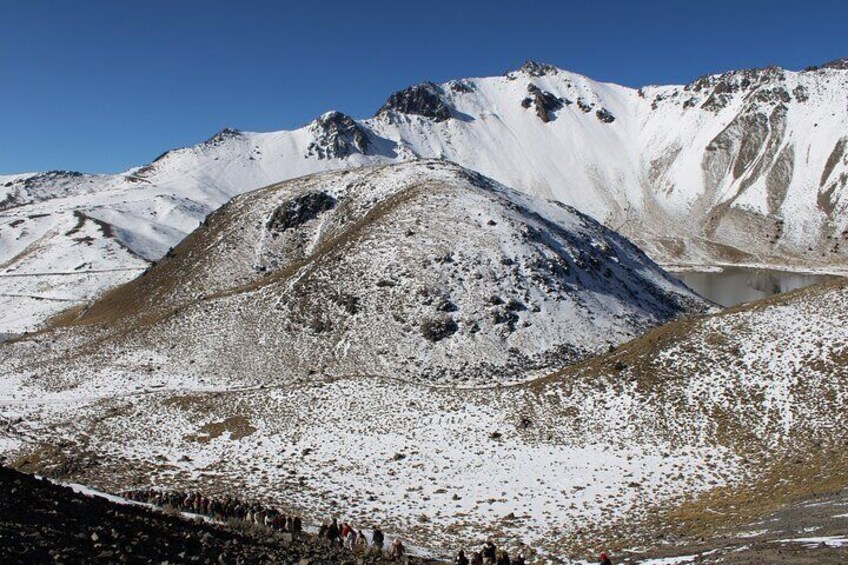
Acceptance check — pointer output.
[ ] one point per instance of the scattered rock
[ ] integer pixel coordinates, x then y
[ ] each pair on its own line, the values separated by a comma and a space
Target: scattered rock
605, 116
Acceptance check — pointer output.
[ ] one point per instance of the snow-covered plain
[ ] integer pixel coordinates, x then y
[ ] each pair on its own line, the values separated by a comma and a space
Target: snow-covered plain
743, 167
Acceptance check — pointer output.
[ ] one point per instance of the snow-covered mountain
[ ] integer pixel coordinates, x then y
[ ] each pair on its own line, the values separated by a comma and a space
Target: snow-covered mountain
741, 167
421, 270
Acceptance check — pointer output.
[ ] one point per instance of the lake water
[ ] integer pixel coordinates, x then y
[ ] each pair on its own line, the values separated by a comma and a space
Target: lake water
735, 285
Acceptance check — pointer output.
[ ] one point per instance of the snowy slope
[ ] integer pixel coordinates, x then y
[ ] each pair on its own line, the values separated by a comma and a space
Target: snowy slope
744, 167
736, 409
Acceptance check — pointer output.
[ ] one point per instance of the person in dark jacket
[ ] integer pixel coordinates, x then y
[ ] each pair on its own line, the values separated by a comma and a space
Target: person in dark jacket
377, 539
603, 559
333, 531
490, 552
461, 559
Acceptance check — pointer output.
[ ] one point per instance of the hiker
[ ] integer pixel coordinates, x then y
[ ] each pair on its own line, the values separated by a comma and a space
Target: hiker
296, 525
461, 559
476, 558
525, 553
519, 560
333, 532
503, 558
603, 559
361, 542
377, 539
397, 550
489, 553
350, 538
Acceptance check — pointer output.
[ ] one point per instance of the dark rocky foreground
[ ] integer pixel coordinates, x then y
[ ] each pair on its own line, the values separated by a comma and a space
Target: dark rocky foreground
41, 522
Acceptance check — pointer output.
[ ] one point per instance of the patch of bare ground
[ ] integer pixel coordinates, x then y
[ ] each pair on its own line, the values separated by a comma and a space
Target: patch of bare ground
59, 461
238, 426
786, 482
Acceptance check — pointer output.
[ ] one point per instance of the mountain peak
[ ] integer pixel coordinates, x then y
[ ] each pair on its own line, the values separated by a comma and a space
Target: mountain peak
337, 135
399, 259
223, 135
602, 153
425, 99
537, 69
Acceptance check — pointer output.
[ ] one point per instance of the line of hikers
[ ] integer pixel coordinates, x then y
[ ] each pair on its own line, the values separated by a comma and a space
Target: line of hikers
490, 555
332, 532
220, 509
356, 540
232, 508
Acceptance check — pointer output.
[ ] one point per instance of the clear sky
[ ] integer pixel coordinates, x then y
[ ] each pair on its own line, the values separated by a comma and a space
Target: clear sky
102, 86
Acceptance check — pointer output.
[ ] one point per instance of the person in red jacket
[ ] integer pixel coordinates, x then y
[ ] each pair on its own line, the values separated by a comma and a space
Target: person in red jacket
603, 559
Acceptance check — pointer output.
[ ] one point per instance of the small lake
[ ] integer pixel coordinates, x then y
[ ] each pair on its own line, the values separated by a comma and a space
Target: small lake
735, 285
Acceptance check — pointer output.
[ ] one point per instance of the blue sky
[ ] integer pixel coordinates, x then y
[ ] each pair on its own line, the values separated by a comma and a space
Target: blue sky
101, 86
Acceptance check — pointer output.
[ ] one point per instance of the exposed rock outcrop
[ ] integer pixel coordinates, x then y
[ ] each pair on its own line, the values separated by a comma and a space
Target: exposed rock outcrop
536, 69
300, 210
222, 136
837, 64
546, 104
425, 99
605, 116
337, 135
584, 106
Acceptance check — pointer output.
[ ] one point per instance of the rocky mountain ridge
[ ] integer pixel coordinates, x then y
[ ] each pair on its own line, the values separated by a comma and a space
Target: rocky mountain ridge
742, 167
